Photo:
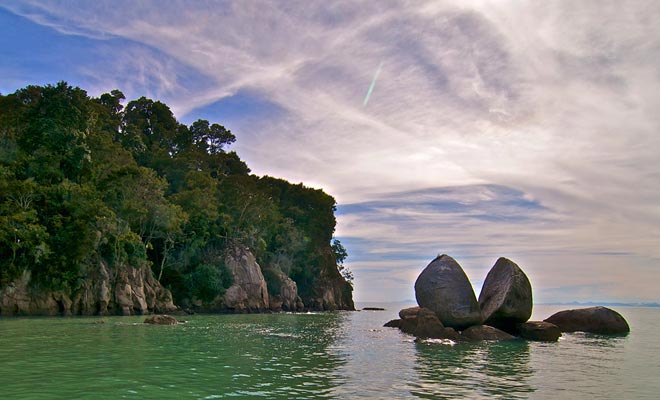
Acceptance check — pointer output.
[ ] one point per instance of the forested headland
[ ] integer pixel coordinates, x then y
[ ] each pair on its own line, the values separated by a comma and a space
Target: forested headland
113, 209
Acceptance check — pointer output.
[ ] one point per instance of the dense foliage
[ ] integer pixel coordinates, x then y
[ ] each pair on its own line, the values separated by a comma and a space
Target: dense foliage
85, 179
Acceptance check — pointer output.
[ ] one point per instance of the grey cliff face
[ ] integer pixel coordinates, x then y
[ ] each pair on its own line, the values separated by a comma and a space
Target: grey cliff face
126, 291
249, 292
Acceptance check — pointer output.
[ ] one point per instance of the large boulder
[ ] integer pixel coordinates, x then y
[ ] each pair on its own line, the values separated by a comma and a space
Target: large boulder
484, 332
600, 320
444, 288
539, 330
506, 296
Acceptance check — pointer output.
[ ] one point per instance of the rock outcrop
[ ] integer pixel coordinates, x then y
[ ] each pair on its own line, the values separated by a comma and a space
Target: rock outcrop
539, 330
283, 292
422, 323
484, 332
249, 292
330, 291
124, 291
444, 288
506, 296
601, 320
409, 312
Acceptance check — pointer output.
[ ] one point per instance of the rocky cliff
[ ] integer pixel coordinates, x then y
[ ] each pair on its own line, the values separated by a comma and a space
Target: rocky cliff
136, 291
263, 289
106, 291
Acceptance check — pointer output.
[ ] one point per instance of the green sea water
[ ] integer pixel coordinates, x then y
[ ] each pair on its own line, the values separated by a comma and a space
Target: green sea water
308, 356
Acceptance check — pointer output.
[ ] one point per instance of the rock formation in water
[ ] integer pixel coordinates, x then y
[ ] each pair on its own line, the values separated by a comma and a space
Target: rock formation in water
106, 291
446, 300
444, 288
484, 332
539, 330
422, 323
600, 320
506, 296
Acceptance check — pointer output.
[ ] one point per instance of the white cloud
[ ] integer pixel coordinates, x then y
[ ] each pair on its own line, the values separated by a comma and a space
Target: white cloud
557, 99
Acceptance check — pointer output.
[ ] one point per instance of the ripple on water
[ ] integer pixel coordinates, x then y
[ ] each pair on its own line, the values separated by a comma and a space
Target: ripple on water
342, 355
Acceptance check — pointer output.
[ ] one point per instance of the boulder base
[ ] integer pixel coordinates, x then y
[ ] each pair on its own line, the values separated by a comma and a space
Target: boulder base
600, 320
484, 332
539, 330
422, 323
444, 288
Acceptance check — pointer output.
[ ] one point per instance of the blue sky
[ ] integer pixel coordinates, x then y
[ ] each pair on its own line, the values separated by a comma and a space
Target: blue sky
522, 129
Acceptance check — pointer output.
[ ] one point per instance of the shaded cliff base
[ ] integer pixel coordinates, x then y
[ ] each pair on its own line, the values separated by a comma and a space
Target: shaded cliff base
136, 291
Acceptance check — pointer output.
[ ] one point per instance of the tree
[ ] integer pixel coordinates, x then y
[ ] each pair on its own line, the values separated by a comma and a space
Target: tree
340, 256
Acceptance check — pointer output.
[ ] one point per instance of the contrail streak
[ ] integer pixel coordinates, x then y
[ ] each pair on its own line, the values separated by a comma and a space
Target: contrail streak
373, 83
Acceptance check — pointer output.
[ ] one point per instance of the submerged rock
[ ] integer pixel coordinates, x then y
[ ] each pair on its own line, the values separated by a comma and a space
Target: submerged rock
444, 288
484, 332
601, 320
506, 296
161, 320
539, 330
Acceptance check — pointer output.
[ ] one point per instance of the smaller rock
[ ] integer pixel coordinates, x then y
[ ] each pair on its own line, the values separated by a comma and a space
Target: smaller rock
161, 320
373, 309
395, 323
409, 325
484, 332
409, 312
539, 330
428, 325
423, 323
600, 320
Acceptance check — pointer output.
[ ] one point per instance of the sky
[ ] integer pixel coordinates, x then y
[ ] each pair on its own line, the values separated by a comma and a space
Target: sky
520, 129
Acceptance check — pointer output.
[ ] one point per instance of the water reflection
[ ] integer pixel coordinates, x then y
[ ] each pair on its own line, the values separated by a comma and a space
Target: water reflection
481, 370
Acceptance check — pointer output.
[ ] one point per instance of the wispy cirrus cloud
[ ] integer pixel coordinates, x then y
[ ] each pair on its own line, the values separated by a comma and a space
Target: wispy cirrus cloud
523, 129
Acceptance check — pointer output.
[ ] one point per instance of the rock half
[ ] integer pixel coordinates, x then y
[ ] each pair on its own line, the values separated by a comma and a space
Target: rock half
506, 296
444, 288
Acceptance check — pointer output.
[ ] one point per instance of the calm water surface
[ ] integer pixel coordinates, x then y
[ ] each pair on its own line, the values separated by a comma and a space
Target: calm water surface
335, 355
